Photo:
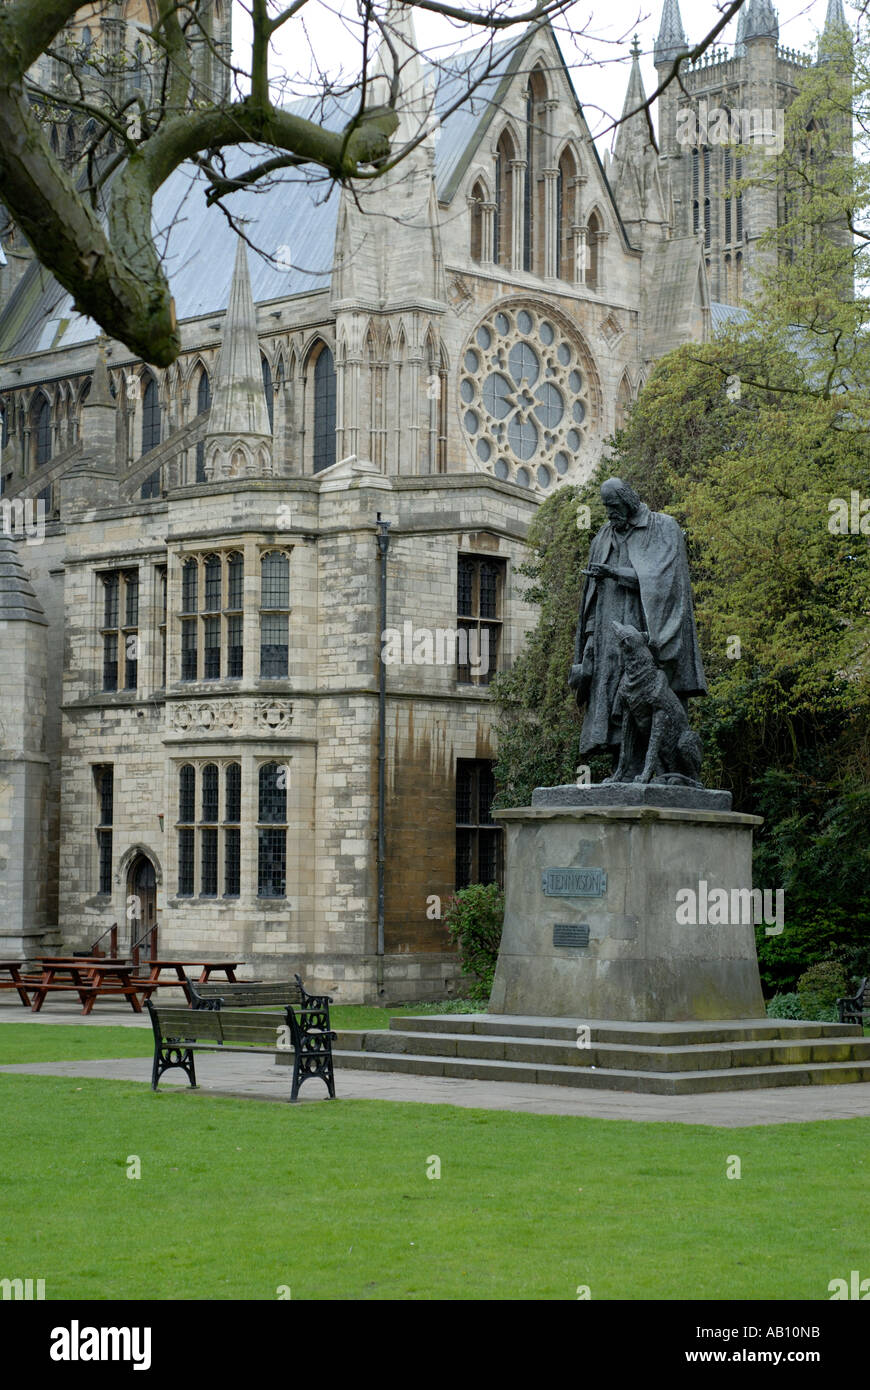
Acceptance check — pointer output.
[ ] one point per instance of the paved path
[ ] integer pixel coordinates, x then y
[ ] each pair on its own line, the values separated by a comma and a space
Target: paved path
259, 1078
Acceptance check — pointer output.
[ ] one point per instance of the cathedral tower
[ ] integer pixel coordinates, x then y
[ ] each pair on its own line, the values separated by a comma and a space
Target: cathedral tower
736, 99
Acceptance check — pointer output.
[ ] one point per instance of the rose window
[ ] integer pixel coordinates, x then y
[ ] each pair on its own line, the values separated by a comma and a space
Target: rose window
524, 398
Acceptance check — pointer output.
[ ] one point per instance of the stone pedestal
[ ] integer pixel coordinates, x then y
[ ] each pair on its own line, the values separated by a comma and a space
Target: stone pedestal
595, 929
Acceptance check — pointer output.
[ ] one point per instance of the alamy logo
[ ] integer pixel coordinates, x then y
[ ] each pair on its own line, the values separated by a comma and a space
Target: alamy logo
440, 646
741, 125
75, 1343
26, 1289
716, 907
22, 516
855, 1288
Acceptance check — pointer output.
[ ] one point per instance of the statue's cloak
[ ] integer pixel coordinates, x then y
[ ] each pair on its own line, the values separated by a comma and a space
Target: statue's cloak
662, 609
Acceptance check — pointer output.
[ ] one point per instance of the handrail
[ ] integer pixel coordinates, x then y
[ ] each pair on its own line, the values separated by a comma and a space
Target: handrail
134, 949
112, 933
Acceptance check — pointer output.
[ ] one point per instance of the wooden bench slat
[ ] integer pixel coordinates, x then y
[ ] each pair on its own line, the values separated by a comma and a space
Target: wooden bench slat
179, 1033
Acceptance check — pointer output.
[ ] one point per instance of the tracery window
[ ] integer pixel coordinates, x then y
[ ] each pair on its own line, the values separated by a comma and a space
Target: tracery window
525, 396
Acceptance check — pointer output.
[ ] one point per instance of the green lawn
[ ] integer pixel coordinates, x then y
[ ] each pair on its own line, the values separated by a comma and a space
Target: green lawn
60, 1042
233, 1192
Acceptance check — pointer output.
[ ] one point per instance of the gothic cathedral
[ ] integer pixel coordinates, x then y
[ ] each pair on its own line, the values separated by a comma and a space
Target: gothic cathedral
206, 571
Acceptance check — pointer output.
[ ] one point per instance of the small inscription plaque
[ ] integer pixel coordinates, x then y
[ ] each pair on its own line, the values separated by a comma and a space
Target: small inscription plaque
570, 934
574, 883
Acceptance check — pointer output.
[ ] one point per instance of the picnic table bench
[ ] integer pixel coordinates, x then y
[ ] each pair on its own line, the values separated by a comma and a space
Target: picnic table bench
89, 978
12, 968
856, 1007
210, 1026
179, 966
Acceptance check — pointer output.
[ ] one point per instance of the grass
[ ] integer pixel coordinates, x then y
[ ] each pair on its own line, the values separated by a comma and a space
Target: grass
527, 1206
59, 1042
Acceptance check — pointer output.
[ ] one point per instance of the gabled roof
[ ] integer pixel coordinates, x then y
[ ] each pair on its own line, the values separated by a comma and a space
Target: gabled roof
294, 220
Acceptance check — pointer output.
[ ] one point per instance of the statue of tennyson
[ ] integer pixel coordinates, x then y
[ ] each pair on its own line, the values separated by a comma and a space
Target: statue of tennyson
637, 576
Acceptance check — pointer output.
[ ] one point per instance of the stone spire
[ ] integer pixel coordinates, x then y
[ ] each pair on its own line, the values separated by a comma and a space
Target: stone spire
672, 40
836, 17
633, 135
388, 239
239, 438
758, 21
100, 392
18, 601
635, 175
397, 60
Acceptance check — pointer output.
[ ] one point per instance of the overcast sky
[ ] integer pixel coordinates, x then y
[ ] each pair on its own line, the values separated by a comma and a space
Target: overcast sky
597, 54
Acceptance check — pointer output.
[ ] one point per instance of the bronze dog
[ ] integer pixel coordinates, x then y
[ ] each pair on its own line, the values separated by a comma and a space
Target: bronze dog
657, 743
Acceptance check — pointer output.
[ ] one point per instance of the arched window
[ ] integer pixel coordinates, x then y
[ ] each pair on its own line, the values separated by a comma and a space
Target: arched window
186, 793
211, 626
150, 416
436, 372
267, 387
71, 141
593, 251
232, 834
203, 402
185, 828
533, 218
208, 843
476, 241
41, 426
623, 403
565, 196
505, 155
272, 831
53, 140
324, 409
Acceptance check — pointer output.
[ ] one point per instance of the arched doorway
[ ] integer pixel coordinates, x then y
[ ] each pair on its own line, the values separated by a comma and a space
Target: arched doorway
141, 904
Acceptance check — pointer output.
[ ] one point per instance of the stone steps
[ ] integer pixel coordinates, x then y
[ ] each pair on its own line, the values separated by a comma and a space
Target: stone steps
658, 1058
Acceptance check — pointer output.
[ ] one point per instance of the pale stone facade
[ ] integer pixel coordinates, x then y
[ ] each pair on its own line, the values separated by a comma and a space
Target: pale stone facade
487, 315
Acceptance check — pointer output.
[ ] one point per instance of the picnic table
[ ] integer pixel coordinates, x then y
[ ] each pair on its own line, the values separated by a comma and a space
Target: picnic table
229, 968
88, 977
12, 968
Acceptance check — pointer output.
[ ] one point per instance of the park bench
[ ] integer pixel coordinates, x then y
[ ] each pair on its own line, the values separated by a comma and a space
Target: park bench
210, 1026
854, 1008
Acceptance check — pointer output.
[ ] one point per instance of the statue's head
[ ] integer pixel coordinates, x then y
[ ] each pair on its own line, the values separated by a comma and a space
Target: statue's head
620, 502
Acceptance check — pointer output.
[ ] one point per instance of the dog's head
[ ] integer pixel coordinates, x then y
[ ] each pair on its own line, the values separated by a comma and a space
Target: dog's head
630, 640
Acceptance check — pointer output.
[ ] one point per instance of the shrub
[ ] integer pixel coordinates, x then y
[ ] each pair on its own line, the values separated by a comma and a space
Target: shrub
820, 987
474, 919
784, 1006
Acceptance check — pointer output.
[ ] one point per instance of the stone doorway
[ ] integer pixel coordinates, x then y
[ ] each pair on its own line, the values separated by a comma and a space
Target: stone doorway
141, 885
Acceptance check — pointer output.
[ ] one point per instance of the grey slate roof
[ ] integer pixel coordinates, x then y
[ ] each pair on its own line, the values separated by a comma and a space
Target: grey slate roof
294, 221
725, 314
18, 601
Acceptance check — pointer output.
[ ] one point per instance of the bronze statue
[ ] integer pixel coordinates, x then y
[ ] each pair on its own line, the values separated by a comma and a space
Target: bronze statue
638, 580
